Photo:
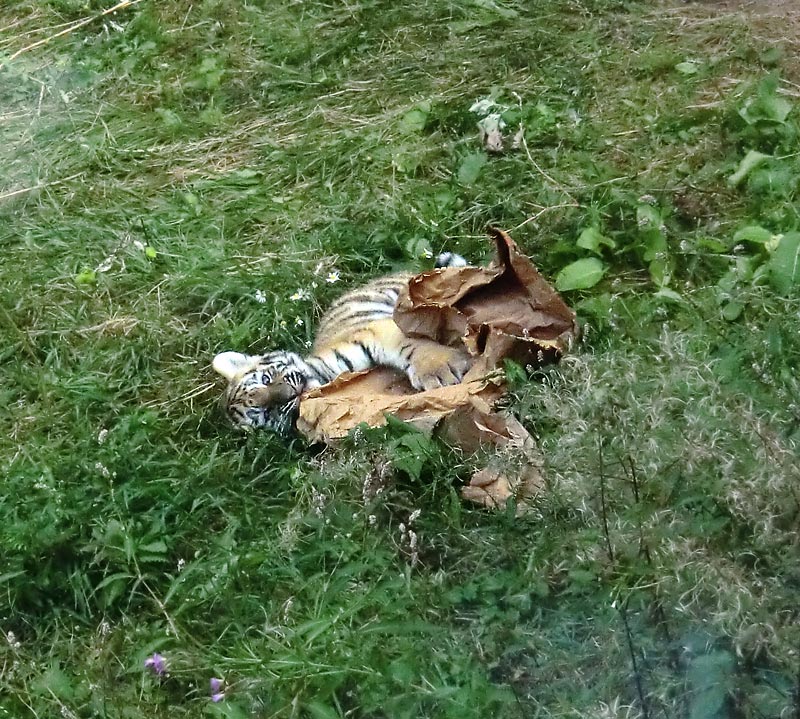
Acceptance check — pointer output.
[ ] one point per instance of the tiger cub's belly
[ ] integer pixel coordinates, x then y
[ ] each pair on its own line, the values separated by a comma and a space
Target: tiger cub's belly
357, 310
359, 332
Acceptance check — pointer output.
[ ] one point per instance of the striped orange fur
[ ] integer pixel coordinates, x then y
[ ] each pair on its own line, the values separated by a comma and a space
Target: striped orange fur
356, 333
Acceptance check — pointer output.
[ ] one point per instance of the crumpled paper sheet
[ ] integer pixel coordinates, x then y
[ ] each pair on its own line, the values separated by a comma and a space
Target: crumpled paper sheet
504, 311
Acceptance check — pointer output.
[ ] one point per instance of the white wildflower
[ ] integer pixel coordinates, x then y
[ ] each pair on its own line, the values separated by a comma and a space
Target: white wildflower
301, 294
413, 548
409, 543
101, 435
299, 322
12, 640
414, 516
260, 297
318, 501
332, 277
100, 467
181, 564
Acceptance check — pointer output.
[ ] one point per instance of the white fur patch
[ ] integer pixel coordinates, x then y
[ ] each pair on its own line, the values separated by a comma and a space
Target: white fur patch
231, 364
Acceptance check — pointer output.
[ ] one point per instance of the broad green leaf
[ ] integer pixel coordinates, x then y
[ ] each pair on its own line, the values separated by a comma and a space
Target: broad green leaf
753, 233
116, 577
732, 310
772, 180
712, 245
660, 271
190, 199
727, 282
54, 682
471, 167
667, 294
157, 547
11, 575
710, 682
591, 239
580, 275
655, 244
444, 199
111, 588
687, 68
648, 216
414, 120
768, 108
85, 277
784, 264
745, 268
749, 163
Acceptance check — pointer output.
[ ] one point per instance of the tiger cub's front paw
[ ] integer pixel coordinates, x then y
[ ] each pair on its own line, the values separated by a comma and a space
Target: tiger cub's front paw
434, 366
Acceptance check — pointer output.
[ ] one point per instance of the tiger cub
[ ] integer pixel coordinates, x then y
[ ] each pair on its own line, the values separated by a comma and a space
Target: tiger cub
358, 332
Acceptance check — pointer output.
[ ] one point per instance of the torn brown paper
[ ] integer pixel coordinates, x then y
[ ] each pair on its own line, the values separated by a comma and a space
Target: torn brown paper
503, 311
331, 411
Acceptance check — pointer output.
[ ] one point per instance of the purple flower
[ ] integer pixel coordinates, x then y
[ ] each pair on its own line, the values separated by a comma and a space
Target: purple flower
157, 663
217, 685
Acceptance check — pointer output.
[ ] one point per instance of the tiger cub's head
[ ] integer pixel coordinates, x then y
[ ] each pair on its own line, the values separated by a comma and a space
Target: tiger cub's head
263, 390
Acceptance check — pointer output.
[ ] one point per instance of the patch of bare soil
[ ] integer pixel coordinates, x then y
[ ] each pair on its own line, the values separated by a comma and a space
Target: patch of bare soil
756, 6
780, 16
775, 23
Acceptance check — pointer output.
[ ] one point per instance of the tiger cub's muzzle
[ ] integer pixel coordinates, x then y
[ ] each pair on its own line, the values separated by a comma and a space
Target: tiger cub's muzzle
276, 393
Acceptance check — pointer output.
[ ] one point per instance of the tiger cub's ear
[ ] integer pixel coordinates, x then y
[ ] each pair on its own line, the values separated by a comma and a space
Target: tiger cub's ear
231, 364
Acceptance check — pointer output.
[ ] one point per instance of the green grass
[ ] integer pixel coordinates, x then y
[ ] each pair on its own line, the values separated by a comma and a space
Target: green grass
163, 165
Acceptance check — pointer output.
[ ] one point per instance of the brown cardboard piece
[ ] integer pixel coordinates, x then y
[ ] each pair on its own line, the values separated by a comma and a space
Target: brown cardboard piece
504, 311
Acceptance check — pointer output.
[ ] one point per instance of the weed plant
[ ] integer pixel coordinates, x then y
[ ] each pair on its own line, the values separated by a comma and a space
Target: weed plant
184, 178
